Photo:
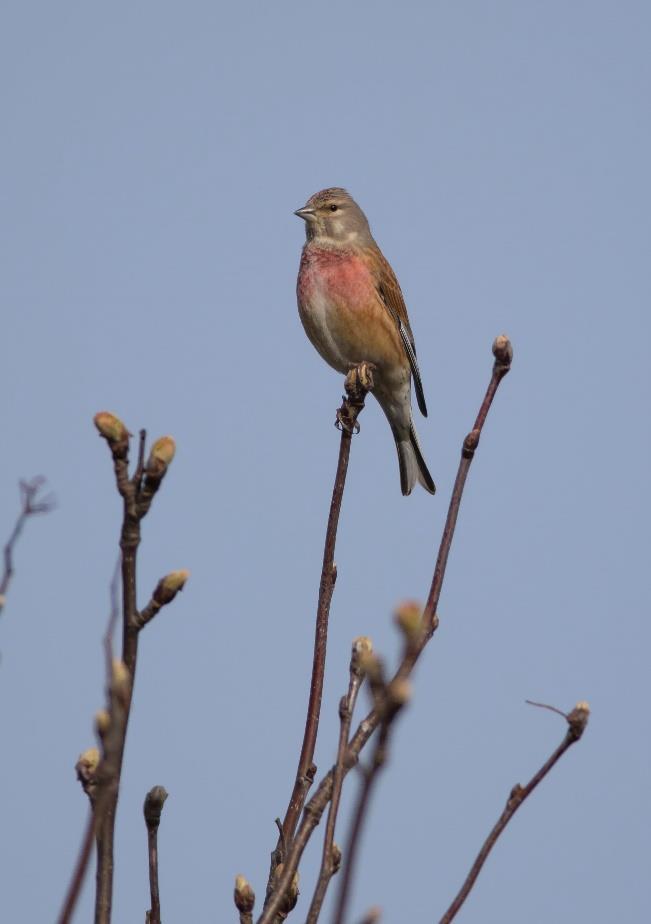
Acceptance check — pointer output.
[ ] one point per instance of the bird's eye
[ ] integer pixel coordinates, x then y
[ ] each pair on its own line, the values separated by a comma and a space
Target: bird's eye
333, 208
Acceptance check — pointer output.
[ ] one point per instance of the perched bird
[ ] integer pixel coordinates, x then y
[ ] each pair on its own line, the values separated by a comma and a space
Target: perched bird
352, 310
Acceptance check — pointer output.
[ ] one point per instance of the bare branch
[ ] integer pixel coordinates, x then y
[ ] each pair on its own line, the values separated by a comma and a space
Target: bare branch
391, 700
577, 721
137, 494
359, 382
29, 506
153, 807
331, 857
314, 809
79, 874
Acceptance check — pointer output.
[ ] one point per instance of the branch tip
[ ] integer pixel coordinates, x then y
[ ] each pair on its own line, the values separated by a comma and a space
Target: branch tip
86, 768
243, 895
408, 617
399, 692
578, 719
153, 805
503, 350
372, 916
160, 456
362, 647
169, 586
112, 429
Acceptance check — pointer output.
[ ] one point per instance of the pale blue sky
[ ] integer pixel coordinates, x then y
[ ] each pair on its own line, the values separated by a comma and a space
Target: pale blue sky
152, 156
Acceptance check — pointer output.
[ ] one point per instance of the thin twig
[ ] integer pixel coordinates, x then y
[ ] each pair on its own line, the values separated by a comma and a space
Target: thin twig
314, 809
90, 785
153, 807
359, 382
79, 873
577, 721
389, 701
111, 768
346, 708
137, 494
30, 506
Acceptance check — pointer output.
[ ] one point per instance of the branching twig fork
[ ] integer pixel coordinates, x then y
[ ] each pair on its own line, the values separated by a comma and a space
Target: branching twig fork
315, 807
361, 646
577, 721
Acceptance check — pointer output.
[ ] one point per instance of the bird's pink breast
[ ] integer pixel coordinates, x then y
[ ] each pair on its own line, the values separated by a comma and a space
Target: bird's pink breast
342, 278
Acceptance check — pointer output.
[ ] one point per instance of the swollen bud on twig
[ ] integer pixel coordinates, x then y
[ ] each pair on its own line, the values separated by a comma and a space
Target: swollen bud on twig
120, 680
291, 896
371, 666
408, 617
335, 858
111, 428
399, 693
154, 802
372, 916
362, 647
160, 457
243, 895
168, 587
578, 718
502, 350
102, 723
86, 768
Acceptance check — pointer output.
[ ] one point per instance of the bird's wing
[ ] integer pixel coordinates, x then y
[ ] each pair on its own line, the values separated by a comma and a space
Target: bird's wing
391, 296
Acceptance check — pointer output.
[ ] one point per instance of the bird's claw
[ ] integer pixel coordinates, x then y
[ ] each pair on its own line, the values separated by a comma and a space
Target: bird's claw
344, 421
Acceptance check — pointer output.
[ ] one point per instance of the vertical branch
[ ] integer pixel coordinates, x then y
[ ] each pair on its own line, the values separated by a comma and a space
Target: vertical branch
314, 809
389, 701
79, 874
137, 494
577, 721
331, 857
503, 353
121, 688
359, 382
153, 807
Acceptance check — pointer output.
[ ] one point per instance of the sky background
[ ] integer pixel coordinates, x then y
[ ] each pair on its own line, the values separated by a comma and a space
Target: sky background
152, 156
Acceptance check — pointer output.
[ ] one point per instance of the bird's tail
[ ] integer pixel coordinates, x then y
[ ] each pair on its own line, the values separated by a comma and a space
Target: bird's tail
412, 464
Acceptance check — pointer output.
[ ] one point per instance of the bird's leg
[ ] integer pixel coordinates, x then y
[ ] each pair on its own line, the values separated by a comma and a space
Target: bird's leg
359, 382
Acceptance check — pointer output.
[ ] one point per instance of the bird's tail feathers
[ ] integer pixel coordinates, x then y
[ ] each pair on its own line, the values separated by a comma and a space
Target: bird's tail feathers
413, 468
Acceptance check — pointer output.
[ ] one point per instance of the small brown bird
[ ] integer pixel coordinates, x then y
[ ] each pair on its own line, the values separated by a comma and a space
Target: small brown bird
352, 310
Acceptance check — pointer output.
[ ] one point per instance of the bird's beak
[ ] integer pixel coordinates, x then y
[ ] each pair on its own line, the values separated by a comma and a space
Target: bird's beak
306, 213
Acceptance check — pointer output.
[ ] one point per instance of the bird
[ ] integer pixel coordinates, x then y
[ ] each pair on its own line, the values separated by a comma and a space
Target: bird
352, 310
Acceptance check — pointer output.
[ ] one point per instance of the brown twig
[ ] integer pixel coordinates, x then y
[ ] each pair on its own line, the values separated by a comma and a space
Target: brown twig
359, 382
331, 858
389, 701
314, 809
79, 873
101, 778
577, 721
29, 507
88, 765
153, 807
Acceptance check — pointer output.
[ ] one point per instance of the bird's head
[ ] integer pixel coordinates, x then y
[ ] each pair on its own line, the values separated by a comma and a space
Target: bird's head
333, 217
